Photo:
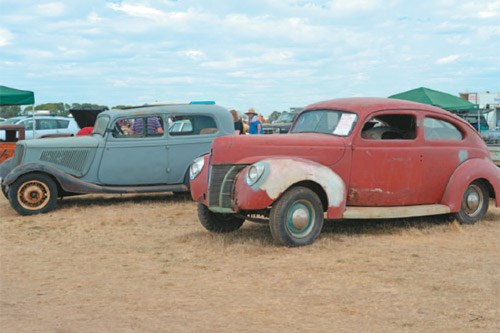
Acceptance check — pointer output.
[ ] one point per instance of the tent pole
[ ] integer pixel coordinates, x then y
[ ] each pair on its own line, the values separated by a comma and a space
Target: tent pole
33, 119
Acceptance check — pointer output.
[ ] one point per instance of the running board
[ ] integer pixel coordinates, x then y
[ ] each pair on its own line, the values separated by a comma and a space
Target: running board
394, 212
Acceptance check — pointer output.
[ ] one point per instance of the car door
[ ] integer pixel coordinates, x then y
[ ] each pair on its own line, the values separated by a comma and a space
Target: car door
133, 158
443, 151
189, 136
386, 167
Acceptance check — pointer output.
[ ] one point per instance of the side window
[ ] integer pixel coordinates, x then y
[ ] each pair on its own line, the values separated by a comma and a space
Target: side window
46, 124
138, 127
62, 123
28, 124
191, 125
438, 129
390, 127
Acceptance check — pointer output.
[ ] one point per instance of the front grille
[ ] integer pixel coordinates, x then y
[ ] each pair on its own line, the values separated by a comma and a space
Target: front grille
71, 159
221, 184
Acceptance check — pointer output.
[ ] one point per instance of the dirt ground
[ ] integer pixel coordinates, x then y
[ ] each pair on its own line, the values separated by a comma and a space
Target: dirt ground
145, 264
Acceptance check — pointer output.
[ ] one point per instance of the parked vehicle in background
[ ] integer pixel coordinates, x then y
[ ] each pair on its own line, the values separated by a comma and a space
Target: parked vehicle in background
44, 126
283, 123
129, 151
11, 133
348, 158
86, 116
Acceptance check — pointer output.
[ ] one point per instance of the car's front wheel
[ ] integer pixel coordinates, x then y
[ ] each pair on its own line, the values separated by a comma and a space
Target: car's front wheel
218, 222
296, 217
4, 191
33, 193
475, 203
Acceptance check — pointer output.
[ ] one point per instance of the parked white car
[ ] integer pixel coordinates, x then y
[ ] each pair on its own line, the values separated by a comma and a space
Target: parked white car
44, 126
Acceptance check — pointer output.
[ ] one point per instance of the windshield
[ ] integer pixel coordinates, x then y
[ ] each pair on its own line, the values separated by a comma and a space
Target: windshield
285, 117
100, 125
325, 121
12, 121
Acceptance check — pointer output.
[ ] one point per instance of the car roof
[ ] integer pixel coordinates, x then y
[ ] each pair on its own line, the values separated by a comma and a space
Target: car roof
166, 108
366, 105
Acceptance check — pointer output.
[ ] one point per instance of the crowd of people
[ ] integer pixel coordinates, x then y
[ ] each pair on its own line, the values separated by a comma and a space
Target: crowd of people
252, 126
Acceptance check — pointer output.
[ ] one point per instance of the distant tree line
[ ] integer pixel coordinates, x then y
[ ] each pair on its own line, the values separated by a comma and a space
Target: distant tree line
62, 109
59, 109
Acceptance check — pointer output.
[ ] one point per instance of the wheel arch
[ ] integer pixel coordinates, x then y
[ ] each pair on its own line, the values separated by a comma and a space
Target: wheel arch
468, 172
316, 188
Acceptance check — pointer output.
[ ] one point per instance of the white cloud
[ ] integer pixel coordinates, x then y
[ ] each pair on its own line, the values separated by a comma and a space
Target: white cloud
137, 10
5, 37
51, 9
448, 60
344, 6
195, 54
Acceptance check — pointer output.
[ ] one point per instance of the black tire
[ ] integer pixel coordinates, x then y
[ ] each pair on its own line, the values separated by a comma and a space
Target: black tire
33, 193
296, 217
475, 203
218, 222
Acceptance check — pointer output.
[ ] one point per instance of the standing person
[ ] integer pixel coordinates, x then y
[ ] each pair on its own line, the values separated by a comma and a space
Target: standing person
255, 125
238, 123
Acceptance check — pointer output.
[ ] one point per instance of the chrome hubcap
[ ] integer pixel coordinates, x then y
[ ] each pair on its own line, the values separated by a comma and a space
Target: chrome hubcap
300, 219
473, 200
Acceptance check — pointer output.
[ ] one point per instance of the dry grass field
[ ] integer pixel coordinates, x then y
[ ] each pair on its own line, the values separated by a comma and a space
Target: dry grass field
145, 264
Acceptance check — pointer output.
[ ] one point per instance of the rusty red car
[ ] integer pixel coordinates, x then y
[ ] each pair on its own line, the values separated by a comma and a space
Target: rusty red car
353, 158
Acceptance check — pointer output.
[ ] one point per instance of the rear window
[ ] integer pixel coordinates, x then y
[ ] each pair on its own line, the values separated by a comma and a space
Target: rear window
438, 129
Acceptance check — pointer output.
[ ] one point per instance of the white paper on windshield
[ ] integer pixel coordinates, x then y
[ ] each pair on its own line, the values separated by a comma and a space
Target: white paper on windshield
345, 124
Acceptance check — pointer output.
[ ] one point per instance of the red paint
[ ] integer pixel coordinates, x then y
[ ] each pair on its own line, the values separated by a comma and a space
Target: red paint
377, 173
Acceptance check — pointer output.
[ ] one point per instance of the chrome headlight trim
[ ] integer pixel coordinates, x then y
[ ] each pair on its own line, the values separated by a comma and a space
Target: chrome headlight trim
196, 167
254, 173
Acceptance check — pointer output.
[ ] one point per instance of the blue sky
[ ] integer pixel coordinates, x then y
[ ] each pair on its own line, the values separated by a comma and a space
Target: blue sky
267, 54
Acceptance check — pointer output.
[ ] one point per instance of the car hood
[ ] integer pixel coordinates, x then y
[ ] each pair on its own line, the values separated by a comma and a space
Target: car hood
85, 117
87, 141
322, 148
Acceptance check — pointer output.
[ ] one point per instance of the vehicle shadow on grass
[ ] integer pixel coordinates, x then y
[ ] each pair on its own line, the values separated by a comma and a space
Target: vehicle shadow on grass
384, 226
110, 200
258, 233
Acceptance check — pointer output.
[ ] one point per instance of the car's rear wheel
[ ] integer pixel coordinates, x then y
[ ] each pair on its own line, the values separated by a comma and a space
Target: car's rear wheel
33, 193
296, 217
475, 203
218, 222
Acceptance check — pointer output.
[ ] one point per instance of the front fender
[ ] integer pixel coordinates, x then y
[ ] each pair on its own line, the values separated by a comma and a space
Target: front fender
282, 173
68, 183
465, 174
199, 185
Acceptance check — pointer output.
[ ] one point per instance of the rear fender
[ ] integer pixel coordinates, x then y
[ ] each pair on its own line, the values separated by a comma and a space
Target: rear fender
282, 173
465, 174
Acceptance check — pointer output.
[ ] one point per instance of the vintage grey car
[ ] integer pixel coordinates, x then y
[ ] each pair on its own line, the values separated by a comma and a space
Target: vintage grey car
129, 150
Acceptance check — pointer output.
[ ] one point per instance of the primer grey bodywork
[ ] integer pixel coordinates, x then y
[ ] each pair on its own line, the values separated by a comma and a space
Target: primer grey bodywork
103, 163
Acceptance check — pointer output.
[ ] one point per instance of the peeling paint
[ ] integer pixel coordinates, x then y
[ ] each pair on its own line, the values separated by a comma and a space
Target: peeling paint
279, 174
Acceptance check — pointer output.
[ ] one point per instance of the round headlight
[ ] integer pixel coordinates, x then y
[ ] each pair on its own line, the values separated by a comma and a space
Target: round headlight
196, 167
254, 173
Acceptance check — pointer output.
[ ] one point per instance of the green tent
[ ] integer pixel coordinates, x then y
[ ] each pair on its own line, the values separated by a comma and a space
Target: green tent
436, 98
11, 96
